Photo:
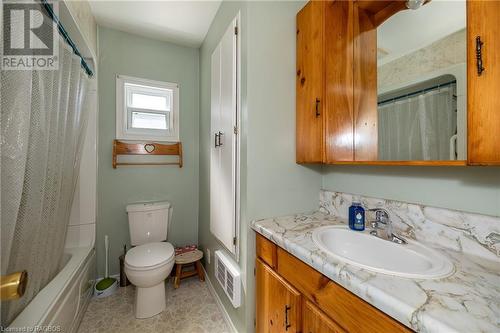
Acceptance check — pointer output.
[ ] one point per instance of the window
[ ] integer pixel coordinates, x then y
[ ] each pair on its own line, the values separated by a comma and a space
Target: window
146, 109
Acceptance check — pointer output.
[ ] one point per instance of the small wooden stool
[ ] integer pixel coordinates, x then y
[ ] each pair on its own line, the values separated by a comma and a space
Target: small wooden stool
188, 258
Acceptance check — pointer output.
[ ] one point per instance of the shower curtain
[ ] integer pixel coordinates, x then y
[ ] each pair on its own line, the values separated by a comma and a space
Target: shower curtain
43, 120
418, 127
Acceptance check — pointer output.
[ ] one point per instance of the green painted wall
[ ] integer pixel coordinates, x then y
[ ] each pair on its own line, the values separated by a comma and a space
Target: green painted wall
127, 54
471, 189
272, 184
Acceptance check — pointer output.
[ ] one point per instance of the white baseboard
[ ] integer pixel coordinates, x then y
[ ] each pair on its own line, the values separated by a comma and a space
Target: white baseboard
226, 316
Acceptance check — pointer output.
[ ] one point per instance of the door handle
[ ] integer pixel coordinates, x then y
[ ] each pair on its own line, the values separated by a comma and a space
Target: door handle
216, 140
13, 286
287, 324
479, 56
318, 113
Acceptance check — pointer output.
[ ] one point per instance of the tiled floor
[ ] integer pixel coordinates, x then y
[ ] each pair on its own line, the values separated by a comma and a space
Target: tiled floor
190, 309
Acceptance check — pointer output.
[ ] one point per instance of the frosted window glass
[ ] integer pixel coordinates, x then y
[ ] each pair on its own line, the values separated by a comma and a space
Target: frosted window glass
149, 120
151, 102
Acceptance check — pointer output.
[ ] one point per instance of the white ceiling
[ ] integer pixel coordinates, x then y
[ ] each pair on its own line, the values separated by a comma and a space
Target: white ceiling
410, 30
181, 22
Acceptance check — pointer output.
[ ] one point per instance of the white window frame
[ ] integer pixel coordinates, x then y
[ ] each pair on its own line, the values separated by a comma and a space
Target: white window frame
123, 132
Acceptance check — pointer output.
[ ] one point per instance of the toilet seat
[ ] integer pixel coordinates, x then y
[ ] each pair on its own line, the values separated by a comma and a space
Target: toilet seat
149, 256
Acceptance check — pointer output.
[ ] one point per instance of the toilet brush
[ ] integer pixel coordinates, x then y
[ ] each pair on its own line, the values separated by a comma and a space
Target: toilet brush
108, 285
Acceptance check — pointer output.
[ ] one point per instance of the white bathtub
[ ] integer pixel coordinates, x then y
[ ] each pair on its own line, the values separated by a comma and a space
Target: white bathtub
60, 306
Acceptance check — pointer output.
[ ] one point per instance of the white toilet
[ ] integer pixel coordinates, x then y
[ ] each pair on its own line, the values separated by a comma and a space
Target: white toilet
148, 264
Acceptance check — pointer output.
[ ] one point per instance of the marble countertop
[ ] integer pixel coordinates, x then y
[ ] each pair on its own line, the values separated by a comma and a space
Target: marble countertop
467, 301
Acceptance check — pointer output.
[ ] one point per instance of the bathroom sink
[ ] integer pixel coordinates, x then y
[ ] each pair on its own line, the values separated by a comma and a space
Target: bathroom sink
411, 260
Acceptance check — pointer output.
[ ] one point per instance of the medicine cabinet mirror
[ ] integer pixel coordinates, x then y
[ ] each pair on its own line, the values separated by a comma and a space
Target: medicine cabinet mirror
421, 84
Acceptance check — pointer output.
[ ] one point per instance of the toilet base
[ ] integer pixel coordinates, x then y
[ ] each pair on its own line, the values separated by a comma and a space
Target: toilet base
150, 301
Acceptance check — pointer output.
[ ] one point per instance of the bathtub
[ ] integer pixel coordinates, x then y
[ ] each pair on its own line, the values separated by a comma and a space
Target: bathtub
59, 307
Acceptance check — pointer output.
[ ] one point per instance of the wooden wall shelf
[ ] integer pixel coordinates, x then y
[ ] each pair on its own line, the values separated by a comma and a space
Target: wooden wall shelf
147, 149
402, 163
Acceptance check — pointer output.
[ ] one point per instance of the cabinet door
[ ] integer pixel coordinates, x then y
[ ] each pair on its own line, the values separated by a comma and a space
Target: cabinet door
365, 85
310, 83
315, 321
339, 130
278, 304
483, 104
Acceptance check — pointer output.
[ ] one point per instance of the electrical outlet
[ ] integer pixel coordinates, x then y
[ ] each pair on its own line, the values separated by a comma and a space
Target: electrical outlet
208, 256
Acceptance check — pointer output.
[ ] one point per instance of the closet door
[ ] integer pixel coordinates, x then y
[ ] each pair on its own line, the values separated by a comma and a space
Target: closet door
223, 152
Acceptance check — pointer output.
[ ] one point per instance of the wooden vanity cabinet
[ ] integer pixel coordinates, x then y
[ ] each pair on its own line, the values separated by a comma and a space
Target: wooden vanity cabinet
336, 82
295, 294
279, 306
315, 321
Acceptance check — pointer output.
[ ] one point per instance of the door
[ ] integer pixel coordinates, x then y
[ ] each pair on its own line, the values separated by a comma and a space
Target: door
315, 321
278, 304
224, 140
483, 82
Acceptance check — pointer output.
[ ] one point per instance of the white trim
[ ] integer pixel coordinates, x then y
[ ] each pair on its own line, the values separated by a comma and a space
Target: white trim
226, 316
122, 131
237, 25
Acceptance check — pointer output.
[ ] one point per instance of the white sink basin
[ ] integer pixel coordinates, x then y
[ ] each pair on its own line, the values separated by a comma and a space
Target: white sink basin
412, 260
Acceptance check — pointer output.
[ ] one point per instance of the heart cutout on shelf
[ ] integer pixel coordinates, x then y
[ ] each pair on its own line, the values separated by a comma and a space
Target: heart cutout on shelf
149, 147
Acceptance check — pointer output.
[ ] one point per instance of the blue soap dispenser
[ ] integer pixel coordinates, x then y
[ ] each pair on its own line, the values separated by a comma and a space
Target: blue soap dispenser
356, 216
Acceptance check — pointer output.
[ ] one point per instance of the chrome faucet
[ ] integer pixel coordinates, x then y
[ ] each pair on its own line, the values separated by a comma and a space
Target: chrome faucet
381, 227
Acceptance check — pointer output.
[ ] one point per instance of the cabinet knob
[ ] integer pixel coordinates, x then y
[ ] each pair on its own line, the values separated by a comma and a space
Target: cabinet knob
318, 113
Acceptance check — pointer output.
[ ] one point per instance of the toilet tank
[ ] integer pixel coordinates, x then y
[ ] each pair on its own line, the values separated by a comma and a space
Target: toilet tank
148, 222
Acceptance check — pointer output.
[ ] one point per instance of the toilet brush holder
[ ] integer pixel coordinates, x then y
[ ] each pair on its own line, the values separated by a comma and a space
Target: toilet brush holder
108, 285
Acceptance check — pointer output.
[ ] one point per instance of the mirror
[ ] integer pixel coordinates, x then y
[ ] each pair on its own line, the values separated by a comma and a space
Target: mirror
421, 83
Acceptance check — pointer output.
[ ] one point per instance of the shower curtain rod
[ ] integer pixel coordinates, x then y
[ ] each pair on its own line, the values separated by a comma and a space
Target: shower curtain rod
65, 35
422, 91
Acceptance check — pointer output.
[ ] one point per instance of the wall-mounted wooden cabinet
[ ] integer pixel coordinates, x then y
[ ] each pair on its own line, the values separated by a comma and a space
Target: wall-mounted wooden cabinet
293, 297
325, 82
483, 121
336, 83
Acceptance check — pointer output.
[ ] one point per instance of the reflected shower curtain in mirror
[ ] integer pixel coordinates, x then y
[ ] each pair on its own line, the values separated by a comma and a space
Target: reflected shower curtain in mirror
43, 122
418, 127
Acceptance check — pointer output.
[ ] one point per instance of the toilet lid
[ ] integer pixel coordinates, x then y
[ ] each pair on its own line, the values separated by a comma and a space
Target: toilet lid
148, 255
